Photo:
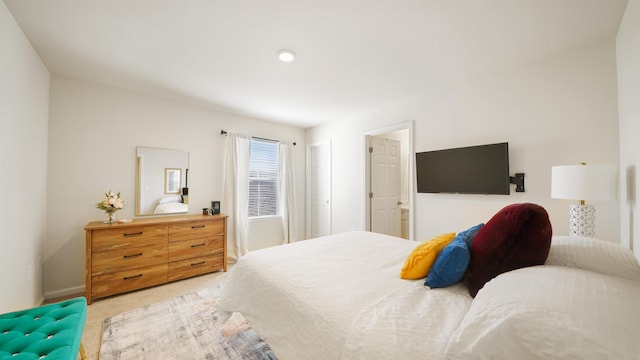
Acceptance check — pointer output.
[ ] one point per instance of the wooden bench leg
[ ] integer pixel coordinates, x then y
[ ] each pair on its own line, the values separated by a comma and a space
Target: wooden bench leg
82, 354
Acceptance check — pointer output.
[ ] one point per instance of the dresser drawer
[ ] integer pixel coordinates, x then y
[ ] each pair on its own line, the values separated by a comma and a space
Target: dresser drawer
195, 230
128, 237
195, 266
181, 250
127, 280
128, 258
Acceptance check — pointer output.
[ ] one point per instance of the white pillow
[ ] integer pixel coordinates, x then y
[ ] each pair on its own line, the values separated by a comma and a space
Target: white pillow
550, 312
167, 199
593, 255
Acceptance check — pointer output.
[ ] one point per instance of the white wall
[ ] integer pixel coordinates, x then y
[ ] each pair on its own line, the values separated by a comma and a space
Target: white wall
24, 104
94, 131
628, 57
556, 111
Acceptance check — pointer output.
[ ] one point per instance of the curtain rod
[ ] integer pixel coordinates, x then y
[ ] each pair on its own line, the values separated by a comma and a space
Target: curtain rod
224, 132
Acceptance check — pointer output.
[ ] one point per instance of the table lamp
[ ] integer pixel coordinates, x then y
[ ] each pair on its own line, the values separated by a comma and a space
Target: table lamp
584, 182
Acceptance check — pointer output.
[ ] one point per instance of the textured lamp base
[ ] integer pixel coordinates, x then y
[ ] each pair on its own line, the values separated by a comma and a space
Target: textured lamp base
582, 220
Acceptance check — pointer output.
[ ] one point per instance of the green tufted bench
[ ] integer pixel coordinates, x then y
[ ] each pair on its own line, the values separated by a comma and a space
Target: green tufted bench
48, 332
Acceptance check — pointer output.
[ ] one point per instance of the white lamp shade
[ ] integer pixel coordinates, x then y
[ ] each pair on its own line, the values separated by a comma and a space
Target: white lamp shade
584, 182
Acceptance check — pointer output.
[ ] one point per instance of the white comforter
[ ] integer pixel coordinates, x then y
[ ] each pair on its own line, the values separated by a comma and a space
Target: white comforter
169, 208
341, 297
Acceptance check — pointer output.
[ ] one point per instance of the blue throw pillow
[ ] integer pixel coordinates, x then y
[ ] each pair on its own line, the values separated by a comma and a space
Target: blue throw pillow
470, 233
450, 265
452, 262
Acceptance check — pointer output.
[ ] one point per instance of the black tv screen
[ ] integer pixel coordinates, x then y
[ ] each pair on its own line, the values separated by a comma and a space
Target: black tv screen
482, 169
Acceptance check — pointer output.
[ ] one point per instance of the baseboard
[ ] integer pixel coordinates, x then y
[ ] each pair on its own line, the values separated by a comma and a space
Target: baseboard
72, 291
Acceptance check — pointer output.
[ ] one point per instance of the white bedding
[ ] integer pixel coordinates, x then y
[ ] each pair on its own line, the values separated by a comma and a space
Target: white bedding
551, 312
340, 297
354, 306
168, 208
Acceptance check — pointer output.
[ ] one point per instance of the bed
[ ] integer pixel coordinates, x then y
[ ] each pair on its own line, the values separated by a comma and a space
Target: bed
170, 204
340, 297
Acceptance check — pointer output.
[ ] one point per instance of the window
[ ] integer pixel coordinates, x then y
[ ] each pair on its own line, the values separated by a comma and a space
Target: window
263, 178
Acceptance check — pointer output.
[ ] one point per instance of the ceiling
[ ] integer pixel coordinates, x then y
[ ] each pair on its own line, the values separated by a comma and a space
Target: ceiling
352, 55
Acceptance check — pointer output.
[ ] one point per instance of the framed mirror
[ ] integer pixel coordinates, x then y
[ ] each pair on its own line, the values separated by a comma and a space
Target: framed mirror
161, 181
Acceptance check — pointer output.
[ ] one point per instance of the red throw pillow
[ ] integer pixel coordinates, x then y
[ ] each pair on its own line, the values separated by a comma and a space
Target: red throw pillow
517, 236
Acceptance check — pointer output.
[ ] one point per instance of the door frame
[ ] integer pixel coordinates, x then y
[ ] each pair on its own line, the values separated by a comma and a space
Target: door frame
366, 141
308, 185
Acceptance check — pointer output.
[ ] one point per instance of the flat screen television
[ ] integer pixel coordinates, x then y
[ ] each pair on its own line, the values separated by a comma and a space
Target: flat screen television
482, 169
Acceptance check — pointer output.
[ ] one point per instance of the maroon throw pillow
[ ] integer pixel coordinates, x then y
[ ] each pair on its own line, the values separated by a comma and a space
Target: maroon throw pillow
517, 236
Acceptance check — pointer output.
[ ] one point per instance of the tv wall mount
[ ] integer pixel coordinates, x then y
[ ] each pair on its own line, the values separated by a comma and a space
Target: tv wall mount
518, 180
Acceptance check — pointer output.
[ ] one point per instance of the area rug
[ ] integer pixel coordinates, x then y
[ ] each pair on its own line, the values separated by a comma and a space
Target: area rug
185, 327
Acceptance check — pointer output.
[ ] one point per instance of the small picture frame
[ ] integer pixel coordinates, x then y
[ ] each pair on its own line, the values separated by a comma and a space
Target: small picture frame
172, 180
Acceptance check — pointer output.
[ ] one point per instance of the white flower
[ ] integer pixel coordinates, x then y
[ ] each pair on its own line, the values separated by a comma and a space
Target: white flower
111, 202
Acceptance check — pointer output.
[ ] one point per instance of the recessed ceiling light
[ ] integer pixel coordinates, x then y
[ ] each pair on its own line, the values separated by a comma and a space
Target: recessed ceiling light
286, 55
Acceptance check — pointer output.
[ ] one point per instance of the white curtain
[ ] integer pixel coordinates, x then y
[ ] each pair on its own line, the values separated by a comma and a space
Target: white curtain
236, 194
287, 194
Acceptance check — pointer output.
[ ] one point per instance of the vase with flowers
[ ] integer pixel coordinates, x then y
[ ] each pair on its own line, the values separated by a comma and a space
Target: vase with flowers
111, 203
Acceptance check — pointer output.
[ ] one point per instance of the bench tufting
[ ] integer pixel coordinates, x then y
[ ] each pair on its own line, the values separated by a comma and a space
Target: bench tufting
49, 332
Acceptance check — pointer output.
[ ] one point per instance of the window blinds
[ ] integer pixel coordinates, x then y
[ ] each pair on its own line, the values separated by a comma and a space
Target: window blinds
263, 178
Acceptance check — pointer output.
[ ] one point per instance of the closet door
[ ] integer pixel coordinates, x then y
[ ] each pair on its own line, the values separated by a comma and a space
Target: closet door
318, 190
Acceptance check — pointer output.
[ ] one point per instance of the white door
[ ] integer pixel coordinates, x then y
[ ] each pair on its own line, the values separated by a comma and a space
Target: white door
385, 186
319, 190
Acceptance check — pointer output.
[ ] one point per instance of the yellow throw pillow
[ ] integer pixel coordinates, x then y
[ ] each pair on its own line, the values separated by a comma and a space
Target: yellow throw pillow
422, 257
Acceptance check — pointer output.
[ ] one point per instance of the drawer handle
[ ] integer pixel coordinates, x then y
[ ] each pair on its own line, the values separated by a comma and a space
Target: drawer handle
134, 234
198, 263
197, 245
198, 227
132, 277
132, 256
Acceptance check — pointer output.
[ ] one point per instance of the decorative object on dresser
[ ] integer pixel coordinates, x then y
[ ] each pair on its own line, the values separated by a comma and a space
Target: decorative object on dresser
111, 203
152, 251
215, 207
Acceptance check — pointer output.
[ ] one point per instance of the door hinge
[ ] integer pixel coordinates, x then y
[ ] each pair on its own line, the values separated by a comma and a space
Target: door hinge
370, 149
371, 195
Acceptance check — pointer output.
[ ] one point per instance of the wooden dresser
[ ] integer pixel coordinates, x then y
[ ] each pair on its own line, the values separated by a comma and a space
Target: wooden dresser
152, 251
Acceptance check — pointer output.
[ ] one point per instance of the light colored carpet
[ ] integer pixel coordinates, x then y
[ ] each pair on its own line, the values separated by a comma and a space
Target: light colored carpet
184, 327
104, 308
